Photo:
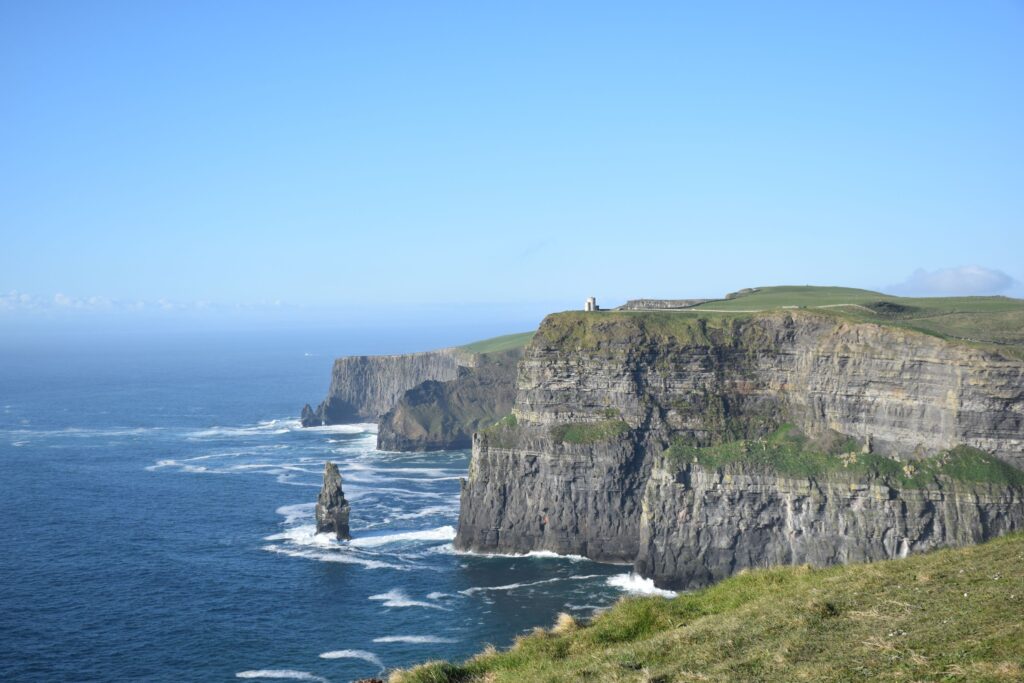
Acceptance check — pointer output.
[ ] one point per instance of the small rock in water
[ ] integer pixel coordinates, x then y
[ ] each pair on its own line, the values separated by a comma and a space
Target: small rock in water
331, 507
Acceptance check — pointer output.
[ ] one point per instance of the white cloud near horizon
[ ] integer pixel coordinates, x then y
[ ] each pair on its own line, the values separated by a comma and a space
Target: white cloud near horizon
15, 301
960, 281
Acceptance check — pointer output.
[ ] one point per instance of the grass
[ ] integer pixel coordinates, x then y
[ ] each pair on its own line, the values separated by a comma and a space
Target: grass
589, 432
950, 615
506, 342
788, 452
995, 323
987, 319
502, 434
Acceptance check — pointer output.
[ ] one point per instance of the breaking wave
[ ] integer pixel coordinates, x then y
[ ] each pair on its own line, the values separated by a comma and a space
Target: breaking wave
396, 597
289, 674
414, 639
441, 533
634, 583
354, 654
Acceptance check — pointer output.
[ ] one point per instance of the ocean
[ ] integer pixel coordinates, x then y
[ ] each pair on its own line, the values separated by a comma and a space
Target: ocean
157, 524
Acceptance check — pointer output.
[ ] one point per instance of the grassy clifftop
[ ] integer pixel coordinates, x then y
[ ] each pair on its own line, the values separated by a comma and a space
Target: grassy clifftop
995, 319
507, 342
996, 323
951, 615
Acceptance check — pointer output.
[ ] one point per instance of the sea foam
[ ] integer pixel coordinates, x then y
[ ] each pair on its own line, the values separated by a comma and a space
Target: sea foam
441, 533
414, 639
290, 674
354, 654
396, 597
634, 583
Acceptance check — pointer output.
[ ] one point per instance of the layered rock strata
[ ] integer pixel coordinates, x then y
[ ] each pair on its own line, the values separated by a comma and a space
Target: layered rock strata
438, 415
363, 388
701, 525
600, 396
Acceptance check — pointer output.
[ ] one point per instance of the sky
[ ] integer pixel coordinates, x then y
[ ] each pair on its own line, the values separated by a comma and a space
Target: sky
309, 160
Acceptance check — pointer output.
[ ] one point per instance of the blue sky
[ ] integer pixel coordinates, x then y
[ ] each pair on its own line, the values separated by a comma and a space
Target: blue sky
335, 156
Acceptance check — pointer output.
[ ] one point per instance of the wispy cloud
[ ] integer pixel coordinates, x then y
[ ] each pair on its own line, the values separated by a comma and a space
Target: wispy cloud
15, 301
960, 281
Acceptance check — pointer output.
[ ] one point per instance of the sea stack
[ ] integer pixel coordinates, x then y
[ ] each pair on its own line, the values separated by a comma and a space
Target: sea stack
331, 507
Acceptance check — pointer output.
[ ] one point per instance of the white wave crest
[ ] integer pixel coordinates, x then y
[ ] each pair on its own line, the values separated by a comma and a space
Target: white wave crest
290, 674
429, 511
340, 557
396, 597
354, 654
441, 533
271, 427
514, 586
414, 639
357, 428
634, 583
539, 554
293, 513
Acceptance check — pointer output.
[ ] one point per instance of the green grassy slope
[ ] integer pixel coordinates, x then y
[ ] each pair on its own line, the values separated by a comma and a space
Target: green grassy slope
985, 319
951, 615
506, 342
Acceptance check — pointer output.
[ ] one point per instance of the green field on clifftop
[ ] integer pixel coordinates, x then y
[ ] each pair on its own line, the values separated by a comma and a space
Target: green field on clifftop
507, 342
989, 319
950, 615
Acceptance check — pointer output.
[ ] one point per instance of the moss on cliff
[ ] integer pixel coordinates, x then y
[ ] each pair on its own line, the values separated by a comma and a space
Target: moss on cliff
790, 453
589, 432
951, 615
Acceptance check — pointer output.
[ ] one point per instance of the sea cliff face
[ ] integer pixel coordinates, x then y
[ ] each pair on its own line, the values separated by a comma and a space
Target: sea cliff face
363, 388
577, 467
701, 525
439, 415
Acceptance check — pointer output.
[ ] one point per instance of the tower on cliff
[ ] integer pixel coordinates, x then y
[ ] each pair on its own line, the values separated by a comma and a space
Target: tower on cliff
591, 304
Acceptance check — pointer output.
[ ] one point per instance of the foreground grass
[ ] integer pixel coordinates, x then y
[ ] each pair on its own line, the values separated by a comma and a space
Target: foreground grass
951, 615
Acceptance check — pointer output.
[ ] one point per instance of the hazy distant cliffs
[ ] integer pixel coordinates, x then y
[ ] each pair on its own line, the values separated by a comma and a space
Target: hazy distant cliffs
437, 415
697, 444
423, 401
365, 387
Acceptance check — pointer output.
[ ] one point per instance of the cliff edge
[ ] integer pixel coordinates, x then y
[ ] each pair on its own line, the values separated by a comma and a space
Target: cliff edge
587, 460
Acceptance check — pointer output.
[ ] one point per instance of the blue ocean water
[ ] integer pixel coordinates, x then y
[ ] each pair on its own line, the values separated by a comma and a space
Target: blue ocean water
156, 520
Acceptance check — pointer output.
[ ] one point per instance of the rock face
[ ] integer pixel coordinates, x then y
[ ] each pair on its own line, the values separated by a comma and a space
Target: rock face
444, 415
577, 468
332, 509
363, 388
699, 525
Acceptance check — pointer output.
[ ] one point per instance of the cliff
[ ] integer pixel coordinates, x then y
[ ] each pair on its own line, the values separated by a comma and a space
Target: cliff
951, 615
580, 464
438, 415
363, 388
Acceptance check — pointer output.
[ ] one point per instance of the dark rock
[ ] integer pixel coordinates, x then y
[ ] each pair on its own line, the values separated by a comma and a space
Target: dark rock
560, 476
365, 387
444, 415
310, 418
331, 507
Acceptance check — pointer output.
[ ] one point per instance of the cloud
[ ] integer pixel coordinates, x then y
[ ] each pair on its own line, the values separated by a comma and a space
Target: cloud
961, 281
15, 301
